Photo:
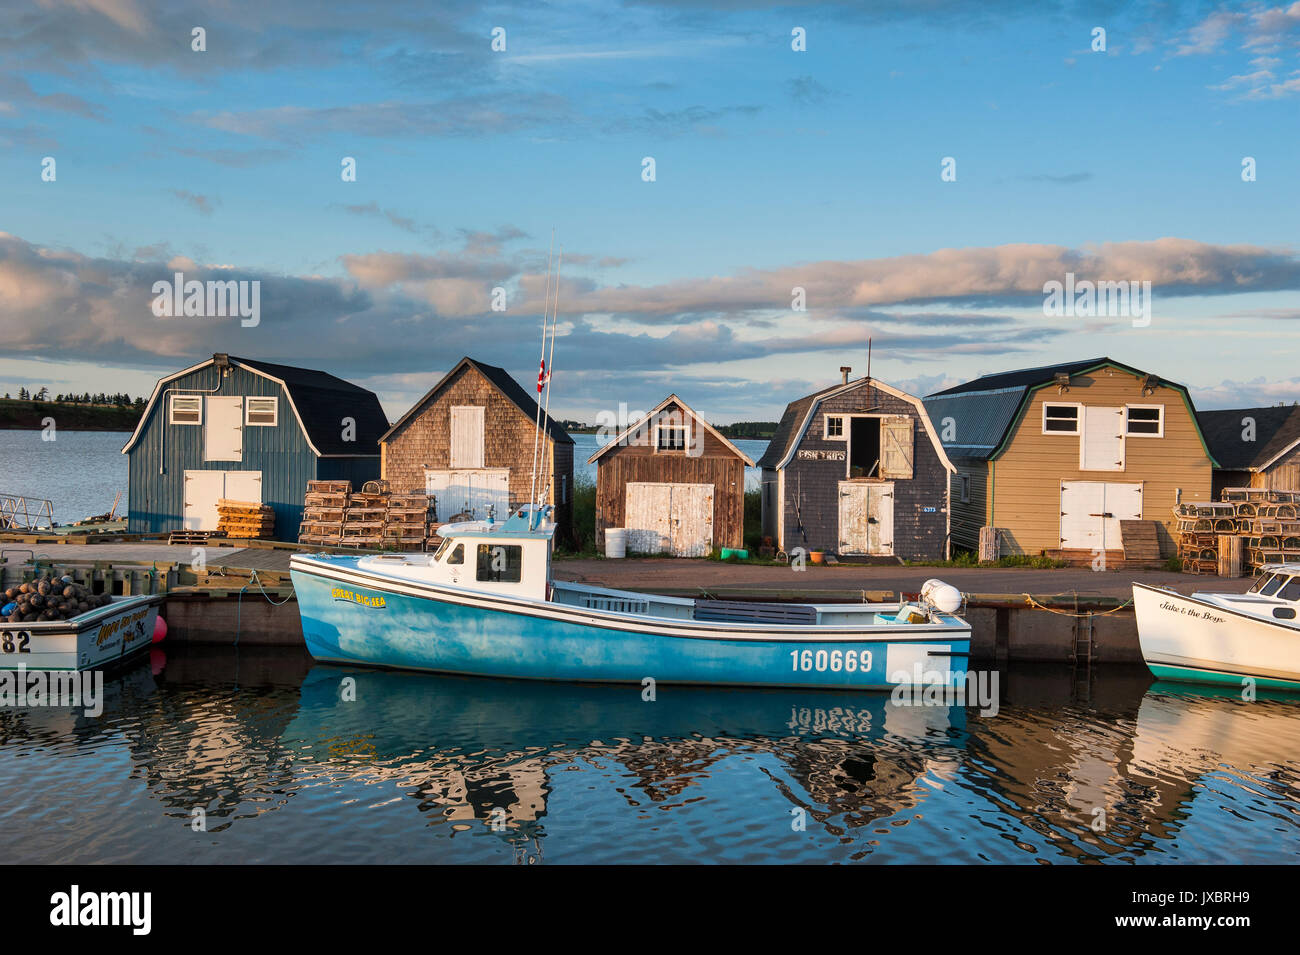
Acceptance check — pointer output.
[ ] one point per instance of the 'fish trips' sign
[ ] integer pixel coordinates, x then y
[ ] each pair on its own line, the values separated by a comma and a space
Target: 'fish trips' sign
815, 455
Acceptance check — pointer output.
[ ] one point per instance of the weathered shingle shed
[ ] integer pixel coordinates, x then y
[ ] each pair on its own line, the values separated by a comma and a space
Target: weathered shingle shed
1254, 447
674, 482
857, 470
246, 430
470, 442
1057, 456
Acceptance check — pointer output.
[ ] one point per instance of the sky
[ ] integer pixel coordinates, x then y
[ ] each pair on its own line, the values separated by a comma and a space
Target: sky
919, 170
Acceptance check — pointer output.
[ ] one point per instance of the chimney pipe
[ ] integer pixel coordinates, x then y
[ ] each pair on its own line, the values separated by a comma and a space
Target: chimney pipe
844, 374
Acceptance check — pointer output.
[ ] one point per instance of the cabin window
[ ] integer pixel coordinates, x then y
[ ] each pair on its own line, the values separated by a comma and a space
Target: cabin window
1060, 419
457, 556
186, 409
1291, 591
1145, 421
500, 563
1271, 586
1259, 584
963, 483
262, 412
670, 437
834, 427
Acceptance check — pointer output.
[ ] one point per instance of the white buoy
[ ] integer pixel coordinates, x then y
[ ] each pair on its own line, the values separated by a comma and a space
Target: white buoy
616, 542
943, 597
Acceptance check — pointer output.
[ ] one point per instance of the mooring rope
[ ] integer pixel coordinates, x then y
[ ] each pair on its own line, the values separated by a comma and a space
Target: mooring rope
1068, 613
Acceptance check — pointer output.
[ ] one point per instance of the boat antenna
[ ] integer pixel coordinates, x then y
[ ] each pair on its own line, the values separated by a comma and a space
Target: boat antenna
546, 412
541, 375
868, 367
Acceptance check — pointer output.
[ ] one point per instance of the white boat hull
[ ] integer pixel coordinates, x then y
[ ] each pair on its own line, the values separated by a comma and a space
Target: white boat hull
1194, 640
93, 640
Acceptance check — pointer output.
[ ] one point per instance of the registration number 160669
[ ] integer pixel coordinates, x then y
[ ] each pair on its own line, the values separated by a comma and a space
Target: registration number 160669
848, 661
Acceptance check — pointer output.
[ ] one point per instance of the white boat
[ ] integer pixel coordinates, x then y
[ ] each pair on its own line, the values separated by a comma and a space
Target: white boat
1224, 637
92, 640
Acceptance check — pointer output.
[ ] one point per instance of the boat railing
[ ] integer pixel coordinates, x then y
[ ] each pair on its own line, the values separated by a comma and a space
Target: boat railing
21, 513
615, 604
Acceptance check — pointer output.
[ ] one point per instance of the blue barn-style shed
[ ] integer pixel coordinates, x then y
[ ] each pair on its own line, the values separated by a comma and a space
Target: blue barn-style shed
246, 430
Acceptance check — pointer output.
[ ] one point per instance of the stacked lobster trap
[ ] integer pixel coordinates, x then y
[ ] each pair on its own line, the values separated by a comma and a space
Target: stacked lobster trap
373, 518
1266, 521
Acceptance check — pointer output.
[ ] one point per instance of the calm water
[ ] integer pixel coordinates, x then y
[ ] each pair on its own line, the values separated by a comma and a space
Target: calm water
79, 471
438, 769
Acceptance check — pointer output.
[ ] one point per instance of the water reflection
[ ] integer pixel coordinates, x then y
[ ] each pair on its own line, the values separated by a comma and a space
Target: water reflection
293, 762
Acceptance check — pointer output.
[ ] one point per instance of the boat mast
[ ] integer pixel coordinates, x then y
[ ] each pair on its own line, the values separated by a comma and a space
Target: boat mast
544, 485
537, 424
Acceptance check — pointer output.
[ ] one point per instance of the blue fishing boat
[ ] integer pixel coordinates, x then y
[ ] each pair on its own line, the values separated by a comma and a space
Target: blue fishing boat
486, 604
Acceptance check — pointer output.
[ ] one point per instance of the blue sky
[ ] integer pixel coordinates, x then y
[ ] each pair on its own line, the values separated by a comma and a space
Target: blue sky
774, 168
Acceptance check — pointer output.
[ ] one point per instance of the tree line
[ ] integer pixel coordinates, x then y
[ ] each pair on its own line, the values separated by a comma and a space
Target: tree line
119, 400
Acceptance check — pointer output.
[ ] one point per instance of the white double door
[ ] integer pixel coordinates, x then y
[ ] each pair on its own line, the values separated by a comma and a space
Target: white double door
866, 518
470, 491
203, 489
675, 519
1091, 512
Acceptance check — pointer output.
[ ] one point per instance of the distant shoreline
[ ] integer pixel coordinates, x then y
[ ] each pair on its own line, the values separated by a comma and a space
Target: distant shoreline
26, 415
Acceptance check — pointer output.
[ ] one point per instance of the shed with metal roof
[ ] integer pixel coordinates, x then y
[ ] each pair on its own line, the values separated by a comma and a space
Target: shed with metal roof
247, 430
1057, 457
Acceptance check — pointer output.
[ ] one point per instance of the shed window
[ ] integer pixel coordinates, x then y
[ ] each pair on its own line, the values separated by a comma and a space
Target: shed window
834, 427
500, 563
1145, 421
670, 437
186, 409
1061, 419
963, 483
262, 412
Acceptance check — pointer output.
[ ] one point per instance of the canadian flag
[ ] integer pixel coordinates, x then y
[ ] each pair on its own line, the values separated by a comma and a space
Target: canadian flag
542, 377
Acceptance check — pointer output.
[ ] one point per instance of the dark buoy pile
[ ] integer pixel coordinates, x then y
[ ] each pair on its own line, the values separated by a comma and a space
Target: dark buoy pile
49, 598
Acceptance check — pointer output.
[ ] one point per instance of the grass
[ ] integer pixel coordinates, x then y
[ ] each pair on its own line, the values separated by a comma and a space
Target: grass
968, 558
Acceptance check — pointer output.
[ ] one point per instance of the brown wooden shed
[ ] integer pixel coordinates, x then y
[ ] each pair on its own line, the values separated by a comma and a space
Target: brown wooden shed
470, 442
674, 482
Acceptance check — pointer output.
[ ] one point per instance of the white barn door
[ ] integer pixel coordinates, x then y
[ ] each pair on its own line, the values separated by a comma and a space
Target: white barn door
866, 518
203, 489
691, 516
1102, 447
1091, 512
466, 437
223, 429
647, 514
470, 491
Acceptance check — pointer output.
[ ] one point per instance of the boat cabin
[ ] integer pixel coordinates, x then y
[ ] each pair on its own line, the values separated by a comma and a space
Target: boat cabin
510, 558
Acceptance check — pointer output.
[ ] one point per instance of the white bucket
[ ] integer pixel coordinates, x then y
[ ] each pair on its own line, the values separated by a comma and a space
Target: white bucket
616, 542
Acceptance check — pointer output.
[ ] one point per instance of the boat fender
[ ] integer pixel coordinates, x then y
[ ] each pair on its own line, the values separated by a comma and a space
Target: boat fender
159, 629
943, 597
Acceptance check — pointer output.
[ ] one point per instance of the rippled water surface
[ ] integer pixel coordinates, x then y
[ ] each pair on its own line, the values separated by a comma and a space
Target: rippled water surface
252, 756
